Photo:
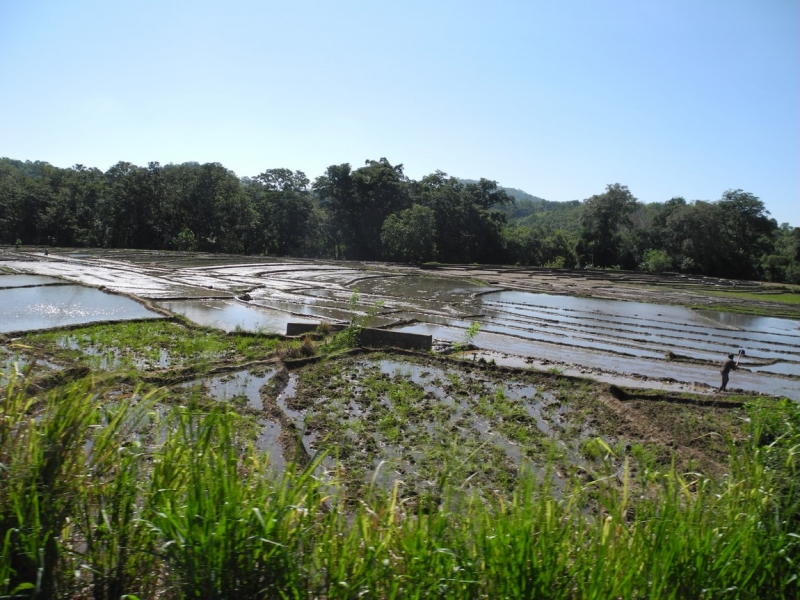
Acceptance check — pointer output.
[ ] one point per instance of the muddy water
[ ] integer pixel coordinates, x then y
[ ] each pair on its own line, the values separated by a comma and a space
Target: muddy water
313, 311
647, 330
422, 288
473, 418
678, 328
638, 372
229, 315
44, 307
267, 441
597, 337
241, 383
16, 363
753, 323
247, 384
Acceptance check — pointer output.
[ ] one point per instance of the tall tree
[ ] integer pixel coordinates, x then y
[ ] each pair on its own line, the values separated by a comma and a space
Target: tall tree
410, 235
697, 240
749, 230
284, 208
604, 217
469, 226
359, 202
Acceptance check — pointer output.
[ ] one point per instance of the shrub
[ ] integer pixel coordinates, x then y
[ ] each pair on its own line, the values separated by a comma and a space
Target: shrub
656, 261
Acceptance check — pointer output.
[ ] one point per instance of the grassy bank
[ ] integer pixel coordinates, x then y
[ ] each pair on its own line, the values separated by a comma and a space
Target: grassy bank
149, 345
119, 500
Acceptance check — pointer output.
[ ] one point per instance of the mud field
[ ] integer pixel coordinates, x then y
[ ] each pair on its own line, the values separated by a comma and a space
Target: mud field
566, 386
624, 328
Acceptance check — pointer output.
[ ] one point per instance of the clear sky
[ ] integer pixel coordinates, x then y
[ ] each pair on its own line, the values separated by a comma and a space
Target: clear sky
559, 98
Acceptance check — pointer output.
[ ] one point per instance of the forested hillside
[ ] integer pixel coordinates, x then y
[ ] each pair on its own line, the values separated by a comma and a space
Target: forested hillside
376, 212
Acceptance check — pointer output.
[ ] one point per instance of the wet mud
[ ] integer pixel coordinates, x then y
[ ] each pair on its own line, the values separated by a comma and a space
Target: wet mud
418, 419
631, 328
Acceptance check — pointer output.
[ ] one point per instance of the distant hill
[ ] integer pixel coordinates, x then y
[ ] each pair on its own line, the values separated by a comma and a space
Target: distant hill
533, 211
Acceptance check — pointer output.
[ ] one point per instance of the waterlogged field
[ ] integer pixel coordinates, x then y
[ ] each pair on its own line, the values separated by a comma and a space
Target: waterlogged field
147, 346
623, 328
167, 459
423, 421
377, 475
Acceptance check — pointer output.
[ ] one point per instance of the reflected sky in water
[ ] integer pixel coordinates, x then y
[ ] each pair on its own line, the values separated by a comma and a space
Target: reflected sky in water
229, 314
25, 309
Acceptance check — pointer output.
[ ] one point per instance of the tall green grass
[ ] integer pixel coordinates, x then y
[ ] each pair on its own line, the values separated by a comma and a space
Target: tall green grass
115, 502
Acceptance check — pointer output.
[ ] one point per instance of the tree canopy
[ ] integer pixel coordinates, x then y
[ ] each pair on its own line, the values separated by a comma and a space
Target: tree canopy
376, 212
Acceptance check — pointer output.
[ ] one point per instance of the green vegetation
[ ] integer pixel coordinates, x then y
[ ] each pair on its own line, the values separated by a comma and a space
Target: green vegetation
423, 416
781, 298
149, 345
410, 235
469, 336
349, 336
656, 261
377, 212
407, 476
116, 500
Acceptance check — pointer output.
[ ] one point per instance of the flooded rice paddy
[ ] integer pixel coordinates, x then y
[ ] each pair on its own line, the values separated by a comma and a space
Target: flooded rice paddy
229, 315
242, 385
31, 302
243, 389
413, 419
420, 420
635, 343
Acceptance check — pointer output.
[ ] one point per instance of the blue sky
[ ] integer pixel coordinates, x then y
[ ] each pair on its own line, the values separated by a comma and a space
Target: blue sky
671, 98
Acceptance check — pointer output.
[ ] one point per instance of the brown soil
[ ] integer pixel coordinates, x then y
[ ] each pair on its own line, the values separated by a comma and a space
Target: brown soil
686, 290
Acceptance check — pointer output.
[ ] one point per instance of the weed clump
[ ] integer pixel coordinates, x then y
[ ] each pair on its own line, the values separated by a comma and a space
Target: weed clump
292, 349
308, 348
288, 351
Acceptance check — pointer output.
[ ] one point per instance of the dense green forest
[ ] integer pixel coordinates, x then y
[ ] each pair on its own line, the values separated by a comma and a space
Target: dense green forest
376, 212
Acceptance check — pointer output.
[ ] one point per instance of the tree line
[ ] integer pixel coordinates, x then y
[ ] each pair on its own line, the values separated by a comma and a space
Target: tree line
376, 212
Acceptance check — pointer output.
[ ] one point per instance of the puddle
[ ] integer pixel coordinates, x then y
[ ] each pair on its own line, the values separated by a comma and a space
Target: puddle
112, 356
230, 315
26, 309
510, 449
288, 392
14, 361
238, 384
427, 377
267, 441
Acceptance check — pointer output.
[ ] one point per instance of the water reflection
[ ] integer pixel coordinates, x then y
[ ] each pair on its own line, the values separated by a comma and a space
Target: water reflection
25, 309
229, 315
245, 384
754, 323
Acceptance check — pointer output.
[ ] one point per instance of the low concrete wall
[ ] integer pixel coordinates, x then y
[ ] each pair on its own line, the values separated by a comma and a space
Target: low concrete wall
397, 339
372, 337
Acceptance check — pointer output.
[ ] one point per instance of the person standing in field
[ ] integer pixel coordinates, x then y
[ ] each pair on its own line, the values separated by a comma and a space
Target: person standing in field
728, 365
